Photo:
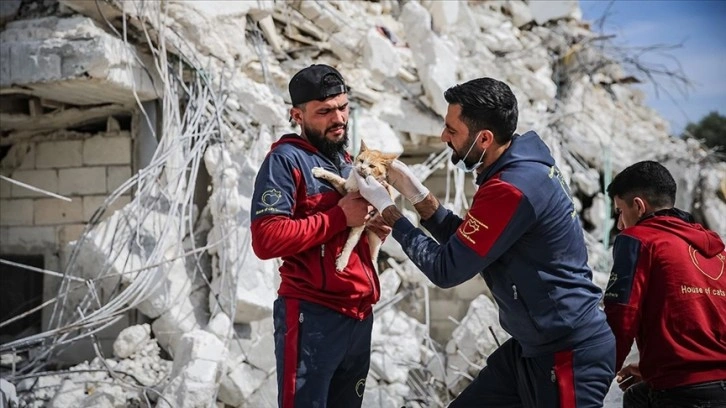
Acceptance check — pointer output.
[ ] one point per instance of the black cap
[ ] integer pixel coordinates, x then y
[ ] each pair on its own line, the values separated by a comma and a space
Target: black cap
316, 82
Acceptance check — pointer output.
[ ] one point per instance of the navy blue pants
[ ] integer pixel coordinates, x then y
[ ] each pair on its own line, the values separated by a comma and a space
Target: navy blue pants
577, 378
710, 394
322, 355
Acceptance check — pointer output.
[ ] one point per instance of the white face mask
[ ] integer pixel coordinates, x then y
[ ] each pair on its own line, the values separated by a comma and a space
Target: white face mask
461, 165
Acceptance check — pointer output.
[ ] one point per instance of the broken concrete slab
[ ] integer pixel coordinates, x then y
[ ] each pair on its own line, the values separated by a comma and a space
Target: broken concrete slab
73, 61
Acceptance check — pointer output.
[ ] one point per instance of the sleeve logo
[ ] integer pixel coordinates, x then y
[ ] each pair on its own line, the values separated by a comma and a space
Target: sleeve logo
470, 227
271, 197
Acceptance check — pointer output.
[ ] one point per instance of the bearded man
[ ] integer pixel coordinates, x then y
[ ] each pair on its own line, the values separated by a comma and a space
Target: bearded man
322, 318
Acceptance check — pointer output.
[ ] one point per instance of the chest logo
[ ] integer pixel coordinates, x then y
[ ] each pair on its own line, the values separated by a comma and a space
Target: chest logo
713, 273
271, 197
470, 227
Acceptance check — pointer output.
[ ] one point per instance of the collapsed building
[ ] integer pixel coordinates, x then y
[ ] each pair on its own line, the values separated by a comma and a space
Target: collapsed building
130, 136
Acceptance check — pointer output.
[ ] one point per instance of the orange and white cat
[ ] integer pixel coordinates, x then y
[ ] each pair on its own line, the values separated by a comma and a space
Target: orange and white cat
368, 162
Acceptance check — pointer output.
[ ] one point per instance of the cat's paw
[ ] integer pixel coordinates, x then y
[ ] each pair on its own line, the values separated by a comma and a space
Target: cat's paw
339, 266
318, 171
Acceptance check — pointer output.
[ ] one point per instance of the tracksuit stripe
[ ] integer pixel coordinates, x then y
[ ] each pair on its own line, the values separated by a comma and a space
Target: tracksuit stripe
565, 375
292, 334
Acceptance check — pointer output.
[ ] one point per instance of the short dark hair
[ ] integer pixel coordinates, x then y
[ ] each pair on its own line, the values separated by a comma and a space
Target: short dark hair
486, 104
647, 179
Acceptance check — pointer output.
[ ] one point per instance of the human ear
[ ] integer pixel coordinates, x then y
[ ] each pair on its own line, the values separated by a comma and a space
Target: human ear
296, 115
487, 137
640, 205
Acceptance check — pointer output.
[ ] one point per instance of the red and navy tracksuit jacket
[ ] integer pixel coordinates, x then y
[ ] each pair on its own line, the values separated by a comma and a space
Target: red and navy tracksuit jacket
667, 291
523, 235
295, 217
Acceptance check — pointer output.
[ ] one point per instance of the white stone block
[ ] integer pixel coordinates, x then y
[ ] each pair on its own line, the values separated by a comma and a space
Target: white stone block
396, 341
198, 345
59, 154
435, 61
379, 135
380, 55
28, 238
116, 176
129, 340
50, 53
260, 349
103, 150
473, 337
82, 181
44, 179
194, 388
587, 182
99, 399
70, 394
52, 211
16, 212
220, 325
240, 383
444, 15
323, 14
544, 11
259, 101
168, 284
170, 326
345, 44
521, 14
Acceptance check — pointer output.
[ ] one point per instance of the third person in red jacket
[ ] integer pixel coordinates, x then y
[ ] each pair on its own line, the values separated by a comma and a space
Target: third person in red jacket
667, 291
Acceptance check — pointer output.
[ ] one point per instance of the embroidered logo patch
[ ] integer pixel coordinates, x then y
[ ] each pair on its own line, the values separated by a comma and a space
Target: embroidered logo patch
714, 273
470, 227
271, 197
360, 386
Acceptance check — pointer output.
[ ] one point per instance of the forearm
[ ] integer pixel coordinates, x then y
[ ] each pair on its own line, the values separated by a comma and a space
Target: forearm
446, 265
278, 236
427, 207
391, 214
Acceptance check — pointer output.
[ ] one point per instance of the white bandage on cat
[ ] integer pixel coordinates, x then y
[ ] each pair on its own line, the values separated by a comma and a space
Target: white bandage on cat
373, 192
403, 180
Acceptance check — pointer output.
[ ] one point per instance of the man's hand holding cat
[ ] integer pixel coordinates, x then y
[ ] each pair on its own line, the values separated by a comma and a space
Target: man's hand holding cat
403, 180
355, 209
374, 192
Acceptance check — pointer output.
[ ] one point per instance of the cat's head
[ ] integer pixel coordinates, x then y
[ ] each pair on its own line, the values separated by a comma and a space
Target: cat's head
374, 163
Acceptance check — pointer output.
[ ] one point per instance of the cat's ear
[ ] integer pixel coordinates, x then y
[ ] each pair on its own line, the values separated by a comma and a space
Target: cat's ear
363, 146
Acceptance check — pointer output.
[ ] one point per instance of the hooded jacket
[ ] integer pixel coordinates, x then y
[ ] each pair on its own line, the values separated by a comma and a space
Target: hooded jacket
295, 216
667, 291
523, 235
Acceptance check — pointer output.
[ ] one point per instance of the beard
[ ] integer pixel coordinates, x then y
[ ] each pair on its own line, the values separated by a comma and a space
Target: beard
330, 149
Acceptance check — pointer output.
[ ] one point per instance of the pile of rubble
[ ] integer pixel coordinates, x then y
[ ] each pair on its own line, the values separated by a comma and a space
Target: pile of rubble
190, 270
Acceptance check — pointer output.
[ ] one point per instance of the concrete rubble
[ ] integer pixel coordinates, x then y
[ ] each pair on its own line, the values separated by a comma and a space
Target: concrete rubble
187, 266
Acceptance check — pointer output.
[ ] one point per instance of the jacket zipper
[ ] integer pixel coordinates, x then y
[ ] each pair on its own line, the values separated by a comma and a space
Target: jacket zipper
322, 264
514, 290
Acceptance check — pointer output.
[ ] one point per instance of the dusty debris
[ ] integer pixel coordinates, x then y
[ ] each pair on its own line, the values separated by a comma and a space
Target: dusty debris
201, 90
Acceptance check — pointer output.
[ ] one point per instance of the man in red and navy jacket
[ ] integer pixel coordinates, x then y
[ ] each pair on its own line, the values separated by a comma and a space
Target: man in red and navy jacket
323, 318
522, 234
667, 291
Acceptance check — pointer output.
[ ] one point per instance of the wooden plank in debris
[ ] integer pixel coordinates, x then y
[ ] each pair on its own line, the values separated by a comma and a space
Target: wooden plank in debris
294, 18
57, 120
